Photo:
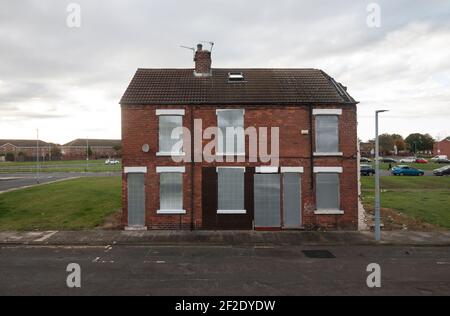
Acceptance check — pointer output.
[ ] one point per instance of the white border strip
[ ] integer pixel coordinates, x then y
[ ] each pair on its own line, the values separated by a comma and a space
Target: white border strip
266, 169
170, 169
327, 169
327, 111
170, 112
292, 169
135, 170
171, 212
231, 211
231, 167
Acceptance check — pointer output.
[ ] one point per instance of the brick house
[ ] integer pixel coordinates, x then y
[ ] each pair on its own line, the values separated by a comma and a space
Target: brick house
312, 184
100, 148
442, 147
25, 149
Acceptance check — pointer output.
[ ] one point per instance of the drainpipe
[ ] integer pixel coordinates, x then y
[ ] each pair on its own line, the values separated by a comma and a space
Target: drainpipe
192, 168
311, 157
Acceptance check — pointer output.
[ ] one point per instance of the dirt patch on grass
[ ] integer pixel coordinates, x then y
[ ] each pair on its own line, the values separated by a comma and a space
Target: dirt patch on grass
112, 222
393, 220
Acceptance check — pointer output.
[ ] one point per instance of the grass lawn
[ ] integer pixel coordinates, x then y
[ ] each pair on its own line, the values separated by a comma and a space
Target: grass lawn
424, 198
76, 204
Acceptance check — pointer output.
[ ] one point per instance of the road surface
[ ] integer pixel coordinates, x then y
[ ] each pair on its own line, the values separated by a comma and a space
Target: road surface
223, 270
19, 180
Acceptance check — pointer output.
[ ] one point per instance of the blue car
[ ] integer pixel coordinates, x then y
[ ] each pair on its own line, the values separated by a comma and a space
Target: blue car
406, 171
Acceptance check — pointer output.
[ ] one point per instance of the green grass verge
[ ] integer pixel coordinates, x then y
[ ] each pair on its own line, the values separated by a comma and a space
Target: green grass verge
76, 204
424, 198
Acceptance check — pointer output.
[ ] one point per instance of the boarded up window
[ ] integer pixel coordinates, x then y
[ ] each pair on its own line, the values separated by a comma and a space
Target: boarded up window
231, 188
171, 191
327, 191
327, 133
231, 126
167, 123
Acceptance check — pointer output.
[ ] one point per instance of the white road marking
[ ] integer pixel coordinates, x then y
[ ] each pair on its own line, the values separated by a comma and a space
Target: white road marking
46, 236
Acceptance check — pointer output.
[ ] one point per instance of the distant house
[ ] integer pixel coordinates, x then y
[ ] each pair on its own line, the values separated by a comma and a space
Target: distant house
25, 149
100, 148
442, 147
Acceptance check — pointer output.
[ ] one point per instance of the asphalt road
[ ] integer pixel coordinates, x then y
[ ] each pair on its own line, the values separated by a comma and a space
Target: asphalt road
19, 180
223, 270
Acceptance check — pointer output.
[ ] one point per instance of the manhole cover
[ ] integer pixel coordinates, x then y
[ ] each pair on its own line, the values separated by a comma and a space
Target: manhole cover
318, 254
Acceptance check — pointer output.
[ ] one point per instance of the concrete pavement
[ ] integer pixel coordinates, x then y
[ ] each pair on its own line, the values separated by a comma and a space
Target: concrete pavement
227, 238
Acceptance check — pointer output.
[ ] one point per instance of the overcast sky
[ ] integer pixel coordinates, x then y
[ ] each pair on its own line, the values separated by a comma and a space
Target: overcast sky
68, 81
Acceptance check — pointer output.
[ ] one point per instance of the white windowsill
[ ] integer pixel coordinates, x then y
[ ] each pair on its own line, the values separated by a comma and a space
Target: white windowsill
171, 212
328, 212
167, 154
328, 154
231, 211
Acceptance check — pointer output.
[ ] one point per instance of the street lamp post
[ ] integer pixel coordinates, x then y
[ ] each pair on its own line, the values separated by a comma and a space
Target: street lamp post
377, 180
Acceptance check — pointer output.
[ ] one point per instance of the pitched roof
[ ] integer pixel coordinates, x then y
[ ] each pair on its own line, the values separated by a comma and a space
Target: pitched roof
260, 86
94, 142
23, 142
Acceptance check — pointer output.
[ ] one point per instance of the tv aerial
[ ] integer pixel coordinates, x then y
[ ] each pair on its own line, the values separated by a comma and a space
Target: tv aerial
211, 44
190, 48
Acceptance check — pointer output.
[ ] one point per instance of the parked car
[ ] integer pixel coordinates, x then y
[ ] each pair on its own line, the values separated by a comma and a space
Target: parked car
442, 161
366, 170
364, 159
388, 160
443, 171
421, 160
403, 170
438, 157
408, 160
112, 162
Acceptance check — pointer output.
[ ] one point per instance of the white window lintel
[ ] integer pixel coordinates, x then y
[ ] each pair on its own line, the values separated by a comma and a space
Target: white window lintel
327, 111
266, 169
179, 112
328, 170
135, 170
223, 110
170, 169
292, 170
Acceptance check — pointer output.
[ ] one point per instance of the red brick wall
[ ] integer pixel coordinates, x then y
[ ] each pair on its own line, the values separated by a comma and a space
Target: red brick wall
443, 146
140, 126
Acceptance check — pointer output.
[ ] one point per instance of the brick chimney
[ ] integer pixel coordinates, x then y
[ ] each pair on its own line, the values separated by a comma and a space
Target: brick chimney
202, 61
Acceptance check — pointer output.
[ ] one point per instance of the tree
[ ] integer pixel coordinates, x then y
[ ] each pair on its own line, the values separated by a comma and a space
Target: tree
399, 142
417, 142
118, 150
10, 157
89, 152
22, 156
386, 143
55, 153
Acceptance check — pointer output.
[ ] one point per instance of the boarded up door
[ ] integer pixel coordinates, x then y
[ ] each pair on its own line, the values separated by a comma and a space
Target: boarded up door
267, 201
291, 200
136, 199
